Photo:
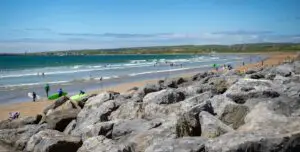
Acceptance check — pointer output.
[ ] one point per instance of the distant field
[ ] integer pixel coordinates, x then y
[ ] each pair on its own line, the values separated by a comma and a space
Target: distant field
192, 49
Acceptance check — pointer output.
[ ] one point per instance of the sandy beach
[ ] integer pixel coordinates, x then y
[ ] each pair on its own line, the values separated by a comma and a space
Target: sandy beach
33, 108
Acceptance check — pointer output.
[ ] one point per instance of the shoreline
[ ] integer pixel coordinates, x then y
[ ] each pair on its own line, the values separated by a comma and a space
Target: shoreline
33, 108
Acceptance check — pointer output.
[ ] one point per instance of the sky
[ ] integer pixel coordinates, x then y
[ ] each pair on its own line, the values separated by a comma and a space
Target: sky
50, 25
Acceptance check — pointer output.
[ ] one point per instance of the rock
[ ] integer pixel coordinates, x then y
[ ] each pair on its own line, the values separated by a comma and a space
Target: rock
251, 71
188, 124
200, 76
53, 141
292, 90
70, 127
219, 102
167, 96
262, 89
128, 110
19, 137
20, 144
100, 98
148, 88
284, 70
102, 144
264, 141
185, 144
257, 76
211, 126
94, 113
234, 114
134, 126
270, 76
101, 128
59, 120
170, 83
17, 123
82, 102
56, 104
142, 140
219, 85
271, 115
68, 105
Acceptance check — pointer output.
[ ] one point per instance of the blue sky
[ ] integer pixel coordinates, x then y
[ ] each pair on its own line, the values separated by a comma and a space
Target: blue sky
44, 25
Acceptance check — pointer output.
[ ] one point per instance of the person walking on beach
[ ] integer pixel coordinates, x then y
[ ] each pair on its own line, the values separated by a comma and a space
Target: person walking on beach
33, 96
47, 89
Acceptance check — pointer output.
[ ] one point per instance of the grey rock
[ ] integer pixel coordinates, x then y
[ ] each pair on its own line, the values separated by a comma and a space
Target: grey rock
102, 144
257, 76
188, 124
284, 70
56, 104
93, 112
233, 115
70, 127
123, 128
17, 123
19, 137
185, 144
82, 102
151, 88
128, 110
211, 126
101, 128
262, 89
59, 120
53, 141
167, 96
264, 141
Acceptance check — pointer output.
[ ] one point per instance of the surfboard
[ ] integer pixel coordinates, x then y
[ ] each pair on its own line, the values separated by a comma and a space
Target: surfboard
55, 96
78, 97
31, 96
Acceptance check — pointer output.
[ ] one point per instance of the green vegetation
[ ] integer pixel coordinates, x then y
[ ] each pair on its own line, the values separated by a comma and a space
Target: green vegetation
193, 49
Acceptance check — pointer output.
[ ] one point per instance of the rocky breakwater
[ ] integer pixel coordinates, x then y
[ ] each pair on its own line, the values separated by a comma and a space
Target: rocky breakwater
229, 112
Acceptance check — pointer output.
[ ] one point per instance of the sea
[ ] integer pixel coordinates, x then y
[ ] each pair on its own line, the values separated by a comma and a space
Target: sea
20, 75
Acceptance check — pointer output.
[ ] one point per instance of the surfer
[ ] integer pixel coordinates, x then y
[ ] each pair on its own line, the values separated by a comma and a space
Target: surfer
47, 89
33, 96
81, 92
60, 92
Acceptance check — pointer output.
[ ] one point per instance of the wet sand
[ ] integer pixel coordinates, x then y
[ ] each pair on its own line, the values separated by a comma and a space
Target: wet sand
34, 108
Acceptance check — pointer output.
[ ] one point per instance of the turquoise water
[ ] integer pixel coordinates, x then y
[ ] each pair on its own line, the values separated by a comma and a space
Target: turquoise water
21, 62
22, 74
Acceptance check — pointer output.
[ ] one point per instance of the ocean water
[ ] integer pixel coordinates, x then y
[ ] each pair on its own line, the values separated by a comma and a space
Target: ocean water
22, 74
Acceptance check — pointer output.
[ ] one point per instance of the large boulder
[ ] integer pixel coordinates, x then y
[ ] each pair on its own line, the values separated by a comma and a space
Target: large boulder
284, 70
101, 128
93, 113
17, 123
233, 115
53, 141
126, 127
56, 104
259, 141
167, 96
129, 110
20, 136
185, 144
271, 115
102, 144
188, 124
142, 140
59, 120
211, 126
259, 89
70, 127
